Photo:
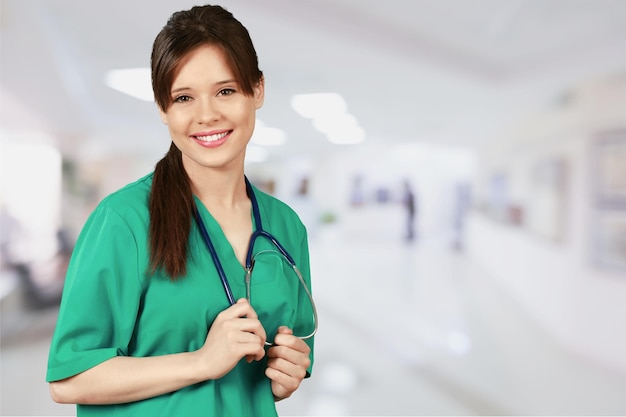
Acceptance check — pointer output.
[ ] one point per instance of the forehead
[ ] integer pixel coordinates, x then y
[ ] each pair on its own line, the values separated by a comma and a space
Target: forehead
206, 62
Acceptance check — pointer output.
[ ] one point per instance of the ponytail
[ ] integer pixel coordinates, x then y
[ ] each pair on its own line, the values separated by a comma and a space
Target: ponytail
171, 207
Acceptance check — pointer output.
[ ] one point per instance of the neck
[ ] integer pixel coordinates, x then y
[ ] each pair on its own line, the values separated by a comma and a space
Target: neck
217, 188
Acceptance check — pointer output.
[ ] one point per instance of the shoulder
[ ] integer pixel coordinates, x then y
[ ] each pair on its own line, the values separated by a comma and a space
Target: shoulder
129, 204
133, 197
274, 205
277, 211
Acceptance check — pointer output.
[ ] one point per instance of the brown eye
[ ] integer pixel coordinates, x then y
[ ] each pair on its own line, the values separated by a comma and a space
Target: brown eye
182, 99
226, 92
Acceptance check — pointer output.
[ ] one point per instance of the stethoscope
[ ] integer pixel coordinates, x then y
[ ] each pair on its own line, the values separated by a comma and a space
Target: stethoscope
250, 258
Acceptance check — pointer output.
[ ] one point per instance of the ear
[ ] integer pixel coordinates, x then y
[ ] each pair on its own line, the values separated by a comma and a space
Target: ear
259, 93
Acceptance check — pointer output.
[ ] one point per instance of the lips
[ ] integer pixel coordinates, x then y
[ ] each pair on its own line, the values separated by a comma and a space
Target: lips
212, 137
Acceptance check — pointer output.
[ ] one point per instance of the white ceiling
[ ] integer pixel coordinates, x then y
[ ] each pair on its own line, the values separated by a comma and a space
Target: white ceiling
446, 71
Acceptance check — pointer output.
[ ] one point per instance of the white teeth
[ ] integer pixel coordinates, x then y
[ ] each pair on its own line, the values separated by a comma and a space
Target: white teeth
212, 138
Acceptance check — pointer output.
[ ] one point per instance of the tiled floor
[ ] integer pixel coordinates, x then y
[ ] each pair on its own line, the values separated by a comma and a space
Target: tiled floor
404, 330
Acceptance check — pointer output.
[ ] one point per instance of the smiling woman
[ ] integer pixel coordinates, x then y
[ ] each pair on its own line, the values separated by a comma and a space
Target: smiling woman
144, 327
209, 107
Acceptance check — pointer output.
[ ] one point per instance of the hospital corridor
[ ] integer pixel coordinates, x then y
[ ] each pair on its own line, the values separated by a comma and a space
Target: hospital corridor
404, 330
460, 167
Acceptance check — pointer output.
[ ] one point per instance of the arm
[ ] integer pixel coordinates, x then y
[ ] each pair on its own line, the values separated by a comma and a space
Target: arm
125, 379
236, 333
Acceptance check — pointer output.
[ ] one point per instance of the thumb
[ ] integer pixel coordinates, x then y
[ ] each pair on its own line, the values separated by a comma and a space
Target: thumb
285, 330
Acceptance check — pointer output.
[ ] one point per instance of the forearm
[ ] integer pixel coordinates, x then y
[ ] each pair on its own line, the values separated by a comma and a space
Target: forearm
126, 379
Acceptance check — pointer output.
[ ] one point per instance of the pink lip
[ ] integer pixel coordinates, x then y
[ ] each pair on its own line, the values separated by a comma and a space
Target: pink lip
213, 143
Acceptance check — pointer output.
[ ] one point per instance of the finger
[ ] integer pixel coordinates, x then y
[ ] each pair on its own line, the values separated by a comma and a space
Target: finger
242, 317
296, 369
245, 326
284, 330
257, 355
241, 308
249, 345
277, 354
255, 346
291, 341
288, 380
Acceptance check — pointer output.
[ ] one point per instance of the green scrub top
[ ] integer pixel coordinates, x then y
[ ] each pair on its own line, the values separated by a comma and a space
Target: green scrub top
111, 306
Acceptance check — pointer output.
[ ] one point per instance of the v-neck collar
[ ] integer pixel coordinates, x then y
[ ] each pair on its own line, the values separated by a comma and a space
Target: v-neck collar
223, 247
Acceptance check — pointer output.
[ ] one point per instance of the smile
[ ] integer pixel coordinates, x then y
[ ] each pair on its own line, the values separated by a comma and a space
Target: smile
213, 138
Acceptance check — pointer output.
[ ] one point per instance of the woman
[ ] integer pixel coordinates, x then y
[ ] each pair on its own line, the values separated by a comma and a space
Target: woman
145, 327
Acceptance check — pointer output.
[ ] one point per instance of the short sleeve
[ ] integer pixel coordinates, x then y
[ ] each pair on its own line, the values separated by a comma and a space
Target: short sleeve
101, 297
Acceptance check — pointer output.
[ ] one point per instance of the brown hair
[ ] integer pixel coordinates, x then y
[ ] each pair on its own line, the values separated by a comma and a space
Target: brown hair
171, 200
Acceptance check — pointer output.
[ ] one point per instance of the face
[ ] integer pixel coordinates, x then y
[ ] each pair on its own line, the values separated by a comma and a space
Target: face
210, 119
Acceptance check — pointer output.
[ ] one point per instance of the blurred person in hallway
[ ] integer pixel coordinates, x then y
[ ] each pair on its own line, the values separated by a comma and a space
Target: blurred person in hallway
156, 319
462, 196
39, 280
357, 197
409, 200
10, 232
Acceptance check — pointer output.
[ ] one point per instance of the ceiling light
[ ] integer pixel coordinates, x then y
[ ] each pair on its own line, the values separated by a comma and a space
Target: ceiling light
350, 135
334, 122
340, 128
329, 114
135, 82
267, 136
312, 106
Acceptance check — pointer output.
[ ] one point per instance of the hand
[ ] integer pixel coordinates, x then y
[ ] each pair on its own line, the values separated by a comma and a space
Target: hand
235, 333
287, 364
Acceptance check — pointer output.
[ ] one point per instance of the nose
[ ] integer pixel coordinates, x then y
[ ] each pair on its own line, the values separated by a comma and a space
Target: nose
207, 111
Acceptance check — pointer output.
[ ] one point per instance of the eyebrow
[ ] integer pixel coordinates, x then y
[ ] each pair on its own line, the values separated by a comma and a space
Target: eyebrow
217, 84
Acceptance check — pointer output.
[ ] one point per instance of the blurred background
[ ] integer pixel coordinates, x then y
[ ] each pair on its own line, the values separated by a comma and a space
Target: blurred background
460, 166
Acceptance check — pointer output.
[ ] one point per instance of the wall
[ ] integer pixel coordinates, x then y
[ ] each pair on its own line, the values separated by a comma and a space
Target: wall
550, 271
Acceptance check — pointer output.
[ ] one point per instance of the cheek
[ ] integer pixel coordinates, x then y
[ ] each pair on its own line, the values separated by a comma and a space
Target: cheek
176, 123
248, 115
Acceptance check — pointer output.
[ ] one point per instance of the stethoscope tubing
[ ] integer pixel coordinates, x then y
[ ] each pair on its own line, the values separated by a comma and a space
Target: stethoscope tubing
249, 257
216, 260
